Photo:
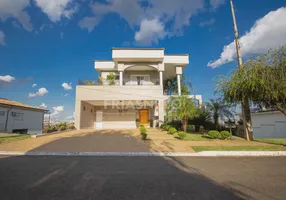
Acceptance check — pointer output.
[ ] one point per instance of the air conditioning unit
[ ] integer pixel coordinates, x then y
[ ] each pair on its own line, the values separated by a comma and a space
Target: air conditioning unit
14, 114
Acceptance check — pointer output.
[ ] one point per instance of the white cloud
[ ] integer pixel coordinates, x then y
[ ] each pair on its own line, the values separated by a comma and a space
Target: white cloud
150, 31
267, 32
34, 85
16, 9
7, 78
67, 86
43, 105
40, 92
66, 95
71, 117
2, 38
216, 3
176, 14
89, 23
57, 110
56, 9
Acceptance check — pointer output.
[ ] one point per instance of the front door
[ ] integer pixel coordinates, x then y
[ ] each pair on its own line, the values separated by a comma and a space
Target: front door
144, 116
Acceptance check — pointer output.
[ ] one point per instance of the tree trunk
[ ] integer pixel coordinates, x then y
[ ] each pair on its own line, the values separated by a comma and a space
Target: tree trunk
247, 124
185, 125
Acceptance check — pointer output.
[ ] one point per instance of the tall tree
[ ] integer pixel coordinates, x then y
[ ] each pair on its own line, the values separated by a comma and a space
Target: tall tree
219, 110
181, 108
262, 80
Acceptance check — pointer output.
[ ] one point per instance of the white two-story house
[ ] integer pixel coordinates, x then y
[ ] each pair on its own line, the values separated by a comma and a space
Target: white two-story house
130, 89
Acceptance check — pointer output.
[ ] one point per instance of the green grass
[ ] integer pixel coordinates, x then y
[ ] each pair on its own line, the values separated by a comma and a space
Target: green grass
279, 141
8, 137
199, 137
196, 137
239, 148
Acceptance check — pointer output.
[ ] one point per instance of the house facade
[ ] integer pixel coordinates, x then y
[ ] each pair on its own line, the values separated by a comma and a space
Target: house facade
16, 117
130, 89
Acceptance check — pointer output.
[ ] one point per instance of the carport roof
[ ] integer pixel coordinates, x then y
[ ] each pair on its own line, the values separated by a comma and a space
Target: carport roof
8, 102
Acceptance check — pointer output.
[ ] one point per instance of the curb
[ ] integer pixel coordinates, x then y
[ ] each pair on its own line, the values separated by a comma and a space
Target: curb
144, 154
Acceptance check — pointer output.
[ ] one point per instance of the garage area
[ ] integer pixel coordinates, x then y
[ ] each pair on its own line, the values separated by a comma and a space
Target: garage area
116, 114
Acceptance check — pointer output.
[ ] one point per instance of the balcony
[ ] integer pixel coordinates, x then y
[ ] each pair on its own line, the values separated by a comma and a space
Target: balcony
117, 92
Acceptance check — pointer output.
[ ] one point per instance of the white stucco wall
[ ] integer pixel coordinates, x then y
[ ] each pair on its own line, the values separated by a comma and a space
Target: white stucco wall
269, 125
114, 92
87, 115
27, 119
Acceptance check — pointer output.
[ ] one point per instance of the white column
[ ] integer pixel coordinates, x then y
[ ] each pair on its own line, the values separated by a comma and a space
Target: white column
161, 77
77, 116
161, 111
179, 84
121, 78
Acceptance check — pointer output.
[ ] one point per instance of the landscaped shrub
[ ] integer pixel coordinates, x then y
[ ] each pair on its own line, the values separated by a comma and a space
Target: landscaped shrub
177, 124
182, 135
143, 132
167, 127
45, 130
62, 128
50, 130
163, 126
213, 135
191, 128
71, 127
225, 135
172, 131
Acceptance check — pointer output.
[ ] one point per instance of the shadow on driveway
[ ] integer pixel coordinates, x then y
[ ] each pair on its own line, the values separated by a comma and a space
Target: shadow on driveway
57, 178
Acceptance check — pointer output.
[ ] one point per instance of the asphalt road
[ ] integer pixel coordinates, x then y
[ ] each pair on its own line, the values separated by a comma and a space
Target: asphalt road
138, 178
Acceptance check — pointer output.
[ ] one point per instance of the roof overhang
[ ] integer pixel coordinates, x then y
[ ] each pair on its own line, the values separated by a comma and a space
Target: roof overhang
138, 54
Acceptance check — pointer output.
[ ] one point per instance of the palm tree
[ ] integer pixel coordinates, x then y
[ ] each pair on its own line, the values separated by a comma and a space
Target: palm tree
181, 108
218, 109
203, 119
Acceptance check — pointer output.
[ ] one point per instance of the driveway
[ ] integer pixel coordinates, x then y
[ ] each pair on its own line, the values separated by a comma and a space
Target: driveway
81, 141
57, 178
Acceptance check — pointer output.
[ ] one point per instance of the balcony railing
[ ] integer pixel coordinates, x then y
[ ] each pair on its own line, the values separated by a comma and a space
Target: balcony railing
106, 83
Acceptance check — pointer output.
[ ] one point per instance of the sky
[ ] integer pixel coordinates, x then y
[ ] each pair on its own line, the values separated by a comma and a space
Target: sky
47, 45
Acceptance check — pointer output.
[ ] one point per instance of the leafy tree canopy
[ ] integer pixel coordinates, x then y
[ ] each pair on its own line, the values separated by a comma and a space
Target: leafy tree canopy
261, 80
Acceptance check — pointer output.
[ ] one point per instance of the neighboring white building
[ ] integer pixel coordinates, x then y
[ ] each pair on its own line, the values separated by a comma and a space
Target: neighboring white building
137, 94
20, 118
269, 124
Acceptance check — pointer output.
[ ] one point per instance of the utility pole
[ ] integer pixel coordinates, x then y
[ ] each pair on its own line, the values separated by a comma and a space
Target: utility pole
246, 117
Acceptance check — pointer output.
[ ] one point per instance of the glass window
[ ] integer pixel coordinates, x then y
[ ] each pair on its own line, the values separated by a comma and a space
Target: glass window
2, 113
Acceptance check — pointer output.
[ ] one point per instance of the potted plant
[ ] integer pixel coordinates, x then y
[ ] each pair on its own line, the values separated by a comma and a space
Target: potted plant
111, 78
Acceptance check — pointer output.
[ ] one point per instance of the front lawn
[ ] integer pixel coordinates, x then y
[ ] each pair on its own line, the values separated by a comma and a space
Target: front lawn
239, 148
279, 141
7, 137
199, 137
196, 137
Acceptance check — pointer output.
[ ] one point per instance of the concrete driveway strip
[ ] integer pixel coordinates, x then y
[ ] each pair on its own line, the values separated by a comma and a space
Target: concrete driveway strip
57, 178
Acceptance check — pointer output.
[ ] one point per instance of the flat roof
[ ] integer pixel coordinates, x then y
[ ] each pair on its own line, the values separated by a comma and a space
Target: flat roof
8, 102
117, 48
186, 54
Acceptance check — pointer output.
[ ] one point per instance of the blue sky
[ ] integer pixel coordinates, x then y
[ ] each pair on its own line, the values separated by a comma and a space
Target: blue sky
52, 42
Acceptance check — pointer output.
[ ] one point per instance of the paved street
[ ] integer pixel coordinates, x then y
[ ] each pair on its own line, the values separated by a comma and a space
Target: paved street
28, 178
